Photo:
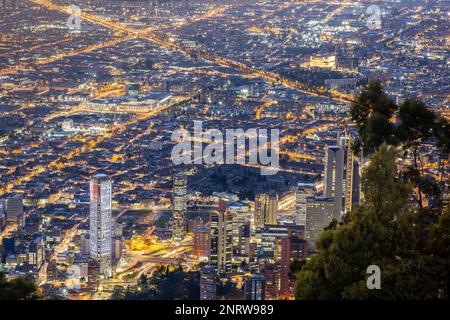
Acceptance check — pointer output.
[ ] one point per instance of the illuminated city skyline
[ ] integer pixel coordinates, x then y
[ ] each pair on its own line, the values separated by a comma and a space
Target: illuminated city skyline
95, 96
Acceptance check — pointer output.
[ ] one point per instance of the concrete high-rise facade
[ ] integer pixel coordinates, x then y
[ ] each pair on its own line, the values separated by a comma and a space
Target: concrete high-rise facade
319, 213
93, 274
272, 281
266, 208
334, 176
292, 247
241, 216
304, 191
254, 287
268, 236
243, 247
446, 196
350, 184
208, 286
100, 223
117, 248
221, 227
12, 207
201, 239
179, 206
85, 244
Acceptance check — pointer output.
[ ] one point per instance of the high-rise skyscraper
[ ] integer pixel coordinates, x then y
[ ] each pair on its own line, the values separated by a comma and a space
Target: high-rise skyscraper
208, 286
272, 281
243, 247
85, 244
319, 213
292, 247
100, 222
304, 191
93, 274
446, 196
241, 216
179, 206
350, 185
2, 221
202, 242
13, 208
254, 287
117, 248
221, 227
268, 236
266, 208
2, 215
334, 175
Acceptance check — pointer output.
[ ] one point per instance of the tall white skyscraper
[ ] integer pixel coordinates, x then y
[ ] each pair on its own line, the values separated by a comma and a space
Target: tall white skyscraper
100, 222
179, 206
334, 176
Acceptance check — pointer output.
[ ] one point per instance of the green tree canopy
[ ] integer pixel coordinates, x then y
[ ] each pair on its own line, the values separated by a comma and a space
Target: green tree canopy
17, 289
386, 231
371, 111
417, 123
412, 125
